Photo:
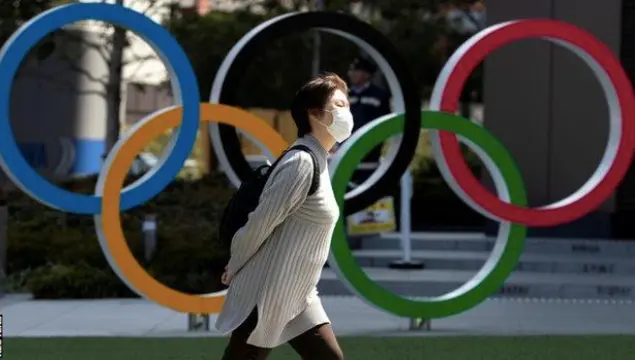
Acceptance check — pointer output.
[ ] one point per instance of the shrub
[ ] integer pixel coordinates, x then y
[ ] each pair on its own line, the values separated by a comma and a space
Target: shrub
79, 281
57, 255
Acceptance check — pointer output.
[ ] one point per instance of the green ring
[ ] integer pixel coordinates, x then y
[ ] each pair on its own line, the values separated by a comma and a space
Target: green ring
497, 268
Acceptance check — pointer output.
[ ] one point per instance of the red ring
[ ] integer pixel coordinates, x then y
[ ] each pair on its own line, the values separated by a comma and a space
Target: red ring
539, 217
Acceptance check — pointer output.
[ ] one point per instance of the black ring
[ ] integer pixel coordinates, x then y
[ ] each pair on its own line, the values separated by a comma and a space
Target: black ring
297, 22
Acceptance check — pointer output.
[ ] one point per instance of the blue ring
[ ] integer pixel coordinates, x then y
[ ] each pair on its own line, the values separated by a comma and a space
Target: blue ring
178, 65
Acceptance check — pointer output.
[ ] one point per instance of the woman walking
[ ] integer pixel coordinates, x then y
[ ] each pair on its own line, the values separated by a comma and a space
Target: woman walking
277, 257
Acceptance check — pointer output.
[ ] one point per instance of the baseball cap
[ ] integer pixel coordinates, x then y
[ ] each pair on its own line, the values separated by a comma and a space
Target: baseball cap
361, 63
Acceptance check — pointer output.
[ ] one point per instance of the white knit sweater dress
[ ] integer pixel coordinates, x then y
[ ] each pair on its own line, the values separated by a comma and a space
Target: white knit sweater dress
278, 256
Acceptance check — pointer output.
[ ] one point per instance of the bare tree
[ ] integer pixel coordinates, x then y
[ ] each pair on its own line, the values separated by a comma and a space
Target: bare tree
113, 44
114, 86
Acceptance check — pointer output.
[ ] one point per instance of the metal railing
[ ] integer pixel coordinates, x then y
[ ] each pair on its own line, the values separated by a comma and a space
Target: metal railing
4, 216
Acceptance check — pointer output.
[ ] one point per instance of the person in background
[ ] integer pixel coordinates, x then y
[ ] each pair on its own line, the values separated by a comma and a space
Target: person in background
368, 102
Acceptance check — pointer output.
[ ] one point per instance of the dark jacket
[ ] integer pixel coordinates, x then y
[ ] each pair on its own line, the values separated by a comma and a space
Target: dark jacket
367, 105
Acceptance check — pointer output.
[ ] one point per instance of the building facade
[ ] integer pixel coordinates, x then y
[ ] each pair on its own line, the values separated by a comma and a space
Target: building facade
546, 106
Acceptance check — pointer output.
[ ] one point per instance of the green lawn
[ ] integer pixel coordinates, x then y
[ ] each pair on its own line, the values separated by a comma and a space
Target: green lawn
355, 348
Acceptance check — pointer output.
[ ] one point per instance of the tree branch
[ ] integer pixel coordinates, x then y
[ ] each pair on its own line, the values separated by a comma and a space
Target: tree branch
139, 62
100, 48
471, 18
152, 6
56, 80
88, 74
103, 46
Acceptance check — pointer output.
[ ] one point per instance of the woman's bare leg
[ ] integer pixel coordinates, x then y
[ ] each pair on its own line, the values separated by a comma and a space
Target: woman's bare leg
238, 349
318, 343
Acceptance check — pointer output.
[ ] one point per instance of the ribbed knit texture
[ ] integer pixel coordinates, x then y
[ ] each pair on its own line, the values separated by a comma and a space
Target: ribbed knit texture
278, 256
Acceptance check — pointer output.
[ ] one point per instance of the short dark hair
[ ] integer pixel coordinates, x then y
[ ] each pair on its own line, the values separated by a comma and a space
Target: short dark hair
363, 64
313, 96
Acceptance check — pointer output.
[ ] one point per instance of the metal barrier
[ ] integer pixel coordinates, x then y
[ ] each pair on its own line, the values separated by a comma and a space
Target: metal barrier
405, 228
420, 324
197, 322
4, 219
149, 229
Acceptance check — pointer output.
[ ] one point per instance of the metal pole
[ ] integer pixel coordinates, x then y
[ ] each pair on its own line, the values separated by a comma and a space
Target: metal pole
315, 65
317, 42
405, 226
206, 164
4, 219
419, 324
406, 263
197, 322
149, 236
406, 195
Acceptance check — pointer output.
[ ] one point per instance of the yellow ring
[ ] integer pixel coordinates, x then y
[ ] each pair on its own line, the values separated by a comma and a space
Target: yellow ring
111, 234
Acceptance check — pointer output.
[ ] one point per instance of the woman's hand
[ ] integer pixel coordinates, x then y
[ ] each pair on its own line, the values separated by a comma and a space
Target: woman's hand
226, 279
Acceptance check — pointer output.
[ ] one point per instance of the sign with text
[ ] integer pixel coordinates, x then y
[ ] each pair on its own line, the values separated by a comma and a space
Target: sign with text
377, 218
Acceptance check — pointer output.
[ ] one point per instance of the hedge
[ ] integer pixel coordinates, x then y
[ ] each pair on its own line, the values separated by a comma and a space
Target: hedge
56, 255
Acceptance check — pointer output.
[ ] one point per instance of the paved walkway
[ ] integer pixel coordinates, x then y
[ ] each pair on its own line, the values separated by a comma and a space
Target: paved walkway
350, 316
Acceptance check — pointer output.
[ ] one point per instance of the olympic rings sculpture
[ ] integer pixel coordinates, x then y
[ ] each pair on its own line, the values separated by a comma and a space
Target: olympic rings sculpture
508, 207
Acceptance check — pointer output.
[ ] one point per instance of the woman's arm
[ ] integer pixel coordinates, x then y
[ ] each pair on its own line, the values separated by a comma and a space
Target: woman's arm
285, 191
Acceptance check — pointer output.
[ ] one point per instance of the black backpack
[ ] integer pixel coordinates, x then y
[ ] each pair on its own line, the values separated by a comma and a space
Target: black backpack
246, 198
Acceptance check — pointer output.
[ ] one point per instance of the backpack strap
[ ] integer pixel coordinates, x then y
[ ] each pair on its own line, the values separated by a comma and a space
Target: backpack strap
315, 181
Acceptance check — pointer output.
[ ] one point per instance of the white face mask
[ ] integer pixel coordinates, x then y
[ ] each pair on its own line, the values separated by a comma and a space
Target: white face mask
342, 125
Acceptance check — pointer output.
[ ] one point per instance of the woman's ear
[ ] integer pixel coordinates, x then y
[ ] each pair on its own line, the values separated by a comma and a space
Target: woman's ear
316, 114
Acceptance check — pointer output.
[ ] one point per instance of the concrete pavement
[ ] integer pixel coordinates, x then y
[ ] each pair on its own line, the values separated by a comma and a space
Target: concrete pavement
350, 316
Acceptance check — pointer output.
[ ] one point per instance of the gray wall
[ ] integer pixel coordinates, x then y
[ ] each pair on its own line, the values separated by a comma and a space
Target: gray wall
59, 114
547, 108
59, 107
